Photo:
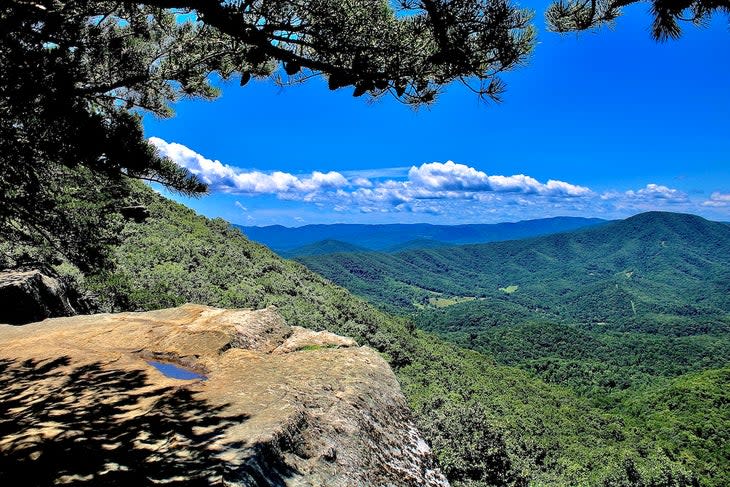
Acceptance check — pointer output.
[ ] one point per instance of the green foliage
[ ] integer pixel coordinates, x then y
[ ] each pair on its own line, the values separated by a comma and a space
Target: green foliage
590, 362
327, 246
178, 256
568, 16
612, 316
689, 420
672, 267
410, 49
316, 347
50, 215
67, 140
495, 425
73, 74
597, 309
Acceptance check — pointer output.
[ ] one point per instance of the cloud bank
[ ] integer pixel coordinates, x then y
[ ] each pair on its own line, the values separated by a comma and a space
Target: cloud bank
435, 188
222, 177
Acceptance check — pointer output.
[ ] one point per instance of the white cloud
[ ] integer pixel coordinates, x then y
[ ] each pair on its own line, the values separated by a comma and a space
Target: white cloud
450, 176
429, 181
454, 191
222, 177
718, 200
240, 206
362, 182
656, 194
657, 191
562, 188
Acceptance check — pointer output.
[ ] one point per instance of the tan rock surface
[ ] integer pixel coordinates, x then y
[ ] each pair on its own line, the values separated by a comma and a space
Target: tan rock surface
281, 405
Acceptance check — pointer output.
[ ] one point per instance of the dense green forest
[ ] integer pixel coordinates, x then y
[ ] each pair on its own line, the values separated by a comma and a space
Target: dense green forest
534, 403
489, 424
671, 268
620, 314
597, 309
326, 246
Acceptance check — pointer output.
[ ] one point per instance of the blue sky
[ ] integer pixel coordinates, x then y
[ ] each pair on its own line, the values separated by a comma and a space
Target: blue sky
605, 124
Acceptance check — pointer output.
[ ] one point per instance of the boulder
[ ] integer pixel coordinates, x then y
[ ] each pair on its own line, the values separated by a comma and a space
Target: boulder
28, 296
262, 404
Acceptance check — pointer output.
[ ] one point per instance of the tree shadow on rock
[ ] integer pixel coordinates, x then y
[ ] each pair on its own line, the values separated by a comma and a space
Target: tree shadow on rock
96, 425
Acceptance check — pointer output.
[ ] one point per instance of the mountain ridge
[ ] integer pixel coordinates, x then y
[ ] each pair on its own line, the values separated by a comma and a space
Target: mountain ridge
632, 315
326, 246
680, 243
657, 282
381, 237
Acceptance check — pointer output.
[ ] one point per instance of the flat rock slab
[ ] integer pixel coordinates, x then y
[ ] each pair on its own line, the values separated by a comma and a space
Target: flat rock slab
278, 405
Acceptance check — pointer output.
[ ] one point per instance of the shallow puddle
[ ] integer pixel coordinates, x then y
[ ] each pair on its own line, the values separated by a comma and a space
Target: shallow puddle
175, 371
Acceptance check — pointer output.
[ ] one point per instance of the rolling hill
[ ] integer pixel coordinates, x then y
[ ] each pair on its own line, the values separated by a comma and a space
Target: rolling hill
328, 246
602, 309
657, 266
284, 240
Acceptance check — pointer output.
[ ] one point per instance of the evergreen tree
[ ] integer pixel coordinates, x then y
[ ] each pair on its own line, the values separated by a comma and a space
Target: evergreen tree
75, 75
576, 15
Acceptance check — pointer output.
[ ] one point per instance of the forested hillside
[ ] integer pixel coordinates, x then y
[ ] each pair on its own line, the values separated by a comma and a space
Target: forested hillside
489, 424
598, 357
598, 309
327, 246
625, 315
670, 269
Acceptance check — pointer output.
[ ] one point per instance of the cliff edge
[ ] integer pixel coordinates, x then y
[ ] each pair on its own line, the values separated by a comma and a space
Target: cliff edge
201, 396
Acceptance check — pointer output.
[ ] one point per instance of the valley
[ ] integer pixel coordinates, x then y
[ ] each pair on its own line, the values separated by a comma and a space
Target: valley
550, 380
365, 243
620, 314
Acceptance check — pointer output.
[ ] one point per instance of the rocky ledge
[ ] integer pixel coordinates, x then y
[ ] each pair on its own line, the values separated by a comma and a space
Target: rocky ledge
263, 404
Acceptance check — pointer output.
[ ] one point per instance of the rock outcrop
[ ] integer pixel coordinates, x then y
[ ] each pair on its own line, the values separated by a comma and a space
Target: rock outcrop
28, 296
274, 404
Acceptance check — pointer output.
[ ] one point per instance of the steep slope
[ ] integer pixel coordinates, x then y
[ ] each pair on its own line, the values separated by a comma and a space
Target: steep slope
382, 237
488, 424
689, 417
177, 256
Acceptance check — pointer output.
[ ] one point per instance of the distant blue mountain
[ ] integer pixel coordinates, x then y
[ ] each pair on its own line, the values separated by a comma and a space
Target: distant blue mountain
392, 237
322, 247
